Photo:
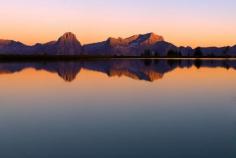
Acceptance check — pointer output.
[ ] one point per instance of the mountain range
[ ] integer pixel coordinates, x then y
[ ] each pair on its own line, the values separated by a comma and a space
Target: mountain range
144, 45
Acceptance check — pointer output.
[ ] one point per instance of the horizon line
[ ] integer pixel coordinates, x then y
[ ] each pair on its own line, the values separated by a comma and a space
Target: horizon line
119, 37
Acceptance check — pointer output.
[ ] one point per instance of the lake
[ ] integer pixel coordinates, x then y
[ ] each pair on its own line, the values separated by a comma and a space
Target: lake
123, 108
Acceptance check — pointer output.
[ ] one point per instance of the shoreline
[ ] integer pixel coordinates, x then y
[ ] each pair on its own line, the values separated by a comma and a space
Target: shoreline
80, 57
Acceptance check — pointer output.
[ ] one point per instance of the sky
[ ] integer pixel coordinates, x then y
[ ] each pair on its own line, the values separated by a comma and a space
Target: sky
182, 22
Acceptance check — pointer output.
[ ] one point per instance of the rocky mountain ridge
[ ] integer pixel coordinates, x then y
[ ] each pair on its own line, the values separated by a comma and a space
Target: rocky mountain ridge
145, 45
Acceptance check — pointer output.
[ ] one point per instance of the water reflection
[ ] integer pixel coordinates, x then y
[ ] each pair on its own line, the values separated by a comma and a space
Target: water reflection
148, 70
188, 113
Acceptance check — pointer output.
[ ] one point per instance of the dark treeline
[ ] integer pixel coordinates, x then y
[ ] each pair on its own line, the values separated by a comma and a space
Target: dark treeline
197, 53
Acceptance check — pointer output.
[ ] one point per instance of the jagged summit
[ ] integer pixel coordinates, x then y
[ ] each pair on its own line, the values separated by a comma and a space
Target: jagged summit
155, 37
68, 44
148, 39
141, 39
68, 36
115, 41
131, 46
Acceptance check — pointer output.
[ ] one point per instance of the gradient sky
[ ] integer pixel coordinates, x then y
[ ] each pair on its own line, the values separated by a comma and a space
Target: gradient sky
182, 22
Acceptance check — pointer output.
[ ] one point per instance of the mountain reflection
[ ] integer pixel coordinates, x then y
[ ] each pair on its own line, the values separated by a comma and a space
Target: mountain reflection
148, 70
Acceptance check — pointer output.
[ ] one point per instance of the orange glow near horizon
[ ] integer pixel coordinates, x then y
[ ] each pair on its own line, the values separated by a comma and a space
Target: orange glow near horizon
185, 40
179, 22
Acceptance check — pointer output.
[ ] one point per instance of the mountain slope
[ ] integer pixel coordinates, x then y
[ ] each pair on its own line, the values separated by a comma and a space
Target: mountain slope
148, 44
163, 48
13, 47
65, 45
118, 46
68, 45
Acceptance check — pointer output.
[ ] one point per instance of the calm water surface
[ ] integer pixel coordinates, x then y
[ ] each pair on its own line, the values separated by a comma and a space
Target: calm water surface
118, 108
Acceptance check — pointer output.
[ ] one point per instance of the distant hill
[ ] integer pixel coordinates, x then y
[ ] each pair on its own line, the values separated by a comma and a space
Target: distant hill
145, 45
65, 45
